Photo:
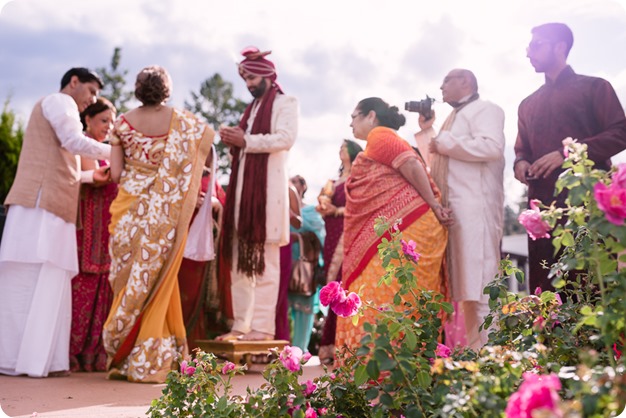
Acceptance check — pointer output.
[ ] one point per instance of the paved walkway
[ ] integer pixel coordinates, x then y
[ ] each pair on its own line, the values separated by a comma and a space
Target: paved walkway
88, 395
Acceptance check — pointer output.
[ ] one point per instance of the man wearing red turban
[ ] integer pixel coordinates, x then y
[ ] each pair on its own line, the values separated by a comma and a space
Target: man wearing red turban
256, 214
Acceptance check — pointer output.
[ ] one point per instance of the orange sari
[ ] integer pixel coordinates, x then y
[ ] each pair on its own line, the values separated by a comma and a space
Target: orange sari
376, 188
144, 334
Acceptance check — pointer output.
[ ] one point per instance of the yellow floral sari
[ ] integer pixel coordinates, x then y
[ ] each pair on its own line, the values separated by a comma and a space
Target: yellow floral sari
144, 333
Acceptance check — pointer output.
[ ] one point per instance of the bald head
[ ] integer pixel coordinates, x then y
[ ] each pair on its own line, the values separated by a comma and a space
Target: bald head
457, 84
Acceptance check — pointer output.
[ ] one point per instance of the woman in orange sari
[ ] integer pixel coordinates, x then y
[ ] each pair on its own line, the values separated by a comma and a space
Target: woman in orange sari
158, 157
388, 179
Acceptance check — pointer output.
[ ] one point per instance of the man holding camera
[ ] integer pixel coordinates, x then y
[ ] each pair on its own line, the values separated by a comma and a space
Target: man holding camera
467, 163
567, 105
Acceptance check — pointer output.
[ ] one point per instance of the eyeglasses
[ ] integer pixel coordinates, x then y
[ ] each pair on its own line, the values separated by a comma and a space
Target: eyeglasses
535, 45
354, 116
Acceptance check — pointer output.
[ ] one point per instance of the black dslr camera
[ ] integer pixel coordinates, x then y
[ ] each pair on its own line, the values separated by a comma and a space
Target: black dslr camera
423, 107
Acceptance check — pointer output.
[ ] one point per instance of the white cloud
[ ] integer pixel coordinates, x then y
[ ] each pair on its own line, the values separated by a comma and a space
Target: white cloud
329, 53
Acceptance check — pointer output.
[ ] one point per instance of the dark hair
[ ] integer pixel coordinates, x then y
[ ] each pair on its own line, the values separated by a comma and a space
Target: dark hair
556, 32
300, 180
84, 76
353, 150
388, 116
153, 85
92, 110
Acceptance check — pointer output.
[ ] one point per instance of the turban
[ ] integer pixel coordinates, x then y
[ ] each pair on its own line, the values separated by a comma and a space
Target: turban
255, 63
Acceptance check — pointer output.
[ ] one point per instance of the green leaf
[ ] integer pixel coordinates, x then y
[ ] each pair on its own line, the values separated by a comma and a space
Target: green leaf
372, 369
386, 363
371, 393
411, 340
360, 375
424, 379
386, 399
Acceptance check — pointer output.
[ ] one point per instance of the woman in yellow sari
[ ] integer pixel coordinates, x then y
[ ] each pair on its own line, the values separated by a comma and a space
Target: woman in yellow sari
158, 156
388, 179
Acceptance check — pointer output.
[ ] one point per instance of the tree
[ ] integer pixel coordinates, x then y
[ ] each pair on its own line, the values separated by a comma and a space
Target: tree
11, 136
216, 104
115, 82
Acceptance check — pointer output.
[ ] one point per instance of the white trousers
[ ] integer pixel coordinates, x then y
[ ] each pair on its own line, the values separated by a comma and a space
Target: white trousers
35, 318
475, 313
254, 298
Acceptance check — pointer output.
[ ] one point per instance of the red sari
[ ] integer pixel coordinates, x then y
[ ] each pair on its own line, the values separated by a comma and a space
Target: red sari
91, 291
376, 188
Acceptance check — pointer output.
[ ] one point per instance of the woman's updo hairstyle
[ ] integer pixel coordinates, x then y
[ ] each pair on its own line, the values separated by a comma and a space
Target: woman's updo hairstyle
388, 116
153, 85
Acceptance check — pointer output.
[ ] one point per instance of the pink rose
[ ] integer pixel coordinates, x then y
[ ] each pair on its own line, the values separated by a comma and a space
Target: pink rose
619, 177
331, 292
532, 221
612, 201
322, 411
290, 357
348, 307
309, 387
443, 351
537, 392
186, 369
310, 412
306, 357
539, 323
228, 366
558, 299
408, 248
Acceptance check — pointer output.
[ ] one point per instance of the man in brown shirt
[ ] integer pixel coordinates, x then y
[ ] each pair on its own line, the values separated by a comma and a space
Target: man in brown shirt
567, 105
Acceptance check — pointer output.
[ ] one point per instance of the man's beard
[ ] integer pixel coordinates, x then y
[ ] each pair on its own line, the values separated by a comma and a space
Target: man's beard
259, 90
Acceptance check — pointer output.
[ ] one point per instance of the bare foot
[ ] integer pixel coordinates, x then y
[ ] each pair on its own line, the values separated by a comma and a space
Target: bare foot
256, 336
230, 336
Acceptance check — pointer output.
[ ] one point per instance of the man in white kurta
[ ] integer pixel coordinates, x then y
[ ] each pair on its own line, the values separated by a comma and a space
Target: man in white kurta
254, 296
468, 165
38, 255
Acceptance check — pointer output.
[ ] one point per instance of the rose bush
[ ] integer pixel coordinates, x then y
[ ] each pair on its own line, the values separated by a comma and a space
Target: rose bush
550, 354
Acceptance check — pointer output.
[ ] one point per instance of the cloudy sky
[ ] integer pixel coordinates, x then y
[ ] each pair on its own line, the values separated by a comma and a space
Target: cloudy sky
329, 54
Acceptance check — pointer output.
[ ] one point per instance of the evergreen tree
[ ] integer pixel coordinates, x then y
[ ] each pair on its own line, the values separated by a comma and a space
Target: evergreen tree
114, 81
11, 136
216, 104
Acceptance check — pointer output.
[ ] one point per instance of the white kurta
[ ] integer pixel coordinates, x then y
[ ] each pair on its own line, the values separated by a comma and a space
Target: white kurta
475, 147
38, 259
254, 299
284, 129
